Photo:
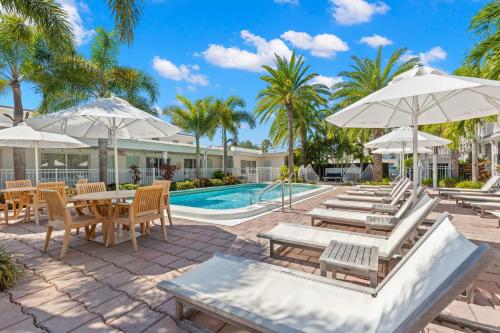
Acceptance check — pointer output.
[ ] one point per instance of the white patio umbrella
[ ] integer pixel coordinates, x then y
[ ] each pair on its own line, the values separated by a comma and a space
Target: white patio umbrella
421, 150
112, 118
24, 136
422, 95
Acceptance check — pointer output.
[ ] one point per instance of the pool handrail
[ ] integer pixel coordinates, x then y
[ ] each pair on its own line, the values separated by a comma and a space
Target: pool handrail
265, 190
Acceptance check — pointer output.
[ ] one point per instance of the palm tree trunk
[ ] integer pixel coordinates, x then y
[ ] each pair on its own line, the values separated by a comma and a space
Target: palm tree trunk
303, 142
224, 150
377, 160
474, 159
198, 161
102, 147
455, 165
289, 120
19, 156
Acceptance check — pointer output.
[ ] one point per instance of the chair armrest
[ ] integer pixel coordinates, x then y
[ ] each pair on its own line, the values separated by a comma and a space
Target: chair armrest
123, 204
381, 222
384, 208
386, 200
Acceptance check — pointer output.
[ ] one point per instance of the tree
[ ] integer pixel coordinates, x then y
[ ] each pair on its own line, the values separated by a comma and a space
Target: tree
71, 80
248, 144
51, 17
287, 84
23, 49
197, 118
365, 77
265, 145
486, 52
229, 117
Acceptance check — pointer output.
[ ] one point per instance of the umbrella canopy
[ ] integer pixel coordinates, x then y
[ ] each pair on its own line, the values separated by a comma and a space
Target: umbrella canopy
403, 137
112, 118
422, 95
421, 150
26, 137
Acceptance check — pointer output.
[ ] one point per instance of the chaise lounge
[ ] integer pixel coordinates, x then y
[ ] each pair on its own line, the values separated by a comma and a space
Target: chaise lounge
400, 192
266, 298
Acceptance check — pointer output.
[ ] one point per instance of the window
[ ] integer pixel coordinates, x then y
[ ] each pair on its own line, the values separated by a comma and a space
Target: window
189, 163
64, 161
132, 160
156, 162
248, 165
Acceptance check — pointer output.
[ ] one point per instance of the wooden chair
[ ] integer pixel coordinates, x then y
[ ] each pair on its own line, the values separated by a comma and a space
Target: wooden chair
166, 196
60, 217
147, 206
70, 191
39, 201
101, 206
5, 208
15, 199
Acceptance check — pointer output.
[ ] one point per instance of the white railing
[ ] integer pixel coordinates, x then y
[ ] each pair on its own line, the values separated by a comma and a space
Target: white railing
443, 171
71, 176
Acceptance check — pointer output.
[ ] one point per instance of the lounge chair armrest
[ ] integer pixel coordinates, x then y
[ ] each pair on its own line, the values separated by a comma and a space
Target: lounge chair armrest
381, 222
385, 208
386, 200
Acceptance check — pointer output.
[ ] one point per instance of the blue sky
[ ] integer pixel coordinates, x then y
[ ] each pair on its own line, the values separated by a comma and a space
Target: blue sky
200, 48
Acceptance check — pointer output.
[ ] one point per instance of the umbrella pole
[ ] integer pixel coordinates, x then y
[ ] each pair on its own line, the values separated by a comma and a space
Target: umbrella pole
415, 149
36, 163
434, 167
115, 147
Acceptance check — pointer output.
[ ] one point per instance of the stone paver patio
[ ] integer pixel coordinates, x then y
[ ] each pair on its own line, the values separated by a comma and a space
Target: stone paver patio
98, 289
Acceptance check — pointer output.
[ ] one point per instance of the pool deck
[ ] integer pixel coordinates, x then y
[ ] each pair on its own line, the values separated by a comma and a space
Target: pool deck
98, 289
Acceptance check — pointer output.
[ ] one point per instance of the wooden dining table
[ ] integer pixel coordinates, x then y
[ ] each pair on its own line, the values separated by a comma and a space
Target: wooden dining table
118, 236
23, 195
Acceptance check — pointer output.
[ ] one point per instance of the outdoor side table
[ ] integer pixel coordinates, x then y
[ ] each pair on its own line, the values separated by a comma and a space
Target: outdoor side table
350, 258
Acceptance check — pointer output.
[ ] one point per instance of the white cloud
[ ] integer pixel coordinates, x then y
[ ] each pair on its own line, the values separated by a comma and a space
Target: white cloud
73, 9
323, 45
376, 41
349, 12
328, 81
235, 57
185, 73
435, 54
287, 2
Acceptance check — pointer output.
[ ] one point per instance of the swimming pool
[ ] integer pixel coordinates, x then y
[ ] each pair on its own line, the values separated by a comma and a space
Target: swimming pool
229, 197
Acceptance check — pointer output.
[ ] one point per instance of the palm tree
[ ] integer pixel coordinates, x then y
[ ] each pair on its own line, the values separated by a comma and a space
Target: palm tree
486, 25
265, 145
288, 84
229, 119
365, 77
23, 48
197, 118
50, 16
72, 80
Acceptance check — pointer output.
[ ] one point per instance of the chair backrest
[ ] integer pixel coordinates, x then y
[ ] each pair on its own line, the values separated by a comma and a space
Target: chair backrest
56, 206
397, 186
90, 187
439, 267
148, 200
408, 224
166, 188
18, 183
490, 183
56, 186
396, 197
408, 203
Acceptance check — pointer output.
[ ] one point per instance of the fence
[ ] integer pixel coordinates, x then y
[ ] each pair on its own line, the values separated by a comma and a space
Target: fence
71, 176
444, 171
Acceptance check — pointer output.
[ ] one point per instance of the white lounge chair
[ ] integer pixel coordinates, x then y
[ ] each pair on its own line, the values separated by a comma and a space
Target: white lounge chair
388, 208
400, 192
261, 297
487, 187
366, 220
463, 200
301, 236
396, 181
378, 191
482, 207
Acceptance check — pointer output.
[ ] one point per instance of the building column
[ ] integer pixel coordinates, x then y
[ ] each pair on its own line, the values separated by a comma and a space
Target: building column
494, 153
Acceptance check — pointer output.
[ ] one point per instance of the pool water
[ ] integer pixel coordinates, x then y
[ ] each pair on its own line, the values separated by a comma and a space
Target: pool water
231, 196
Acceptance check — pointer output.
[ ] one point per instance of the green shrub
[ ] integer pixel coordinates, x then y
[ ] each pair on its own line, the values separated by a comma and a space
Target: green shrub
469, 184
230, 180
218, 174
216, 182
201, 182
427, 181
185, 185
126, 187
9, 271
283, 172
384, 181
448, 182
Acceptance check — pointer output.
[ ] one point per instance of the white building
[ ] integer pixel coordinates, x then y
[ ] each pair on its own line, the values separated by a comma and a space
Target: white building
178, 150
